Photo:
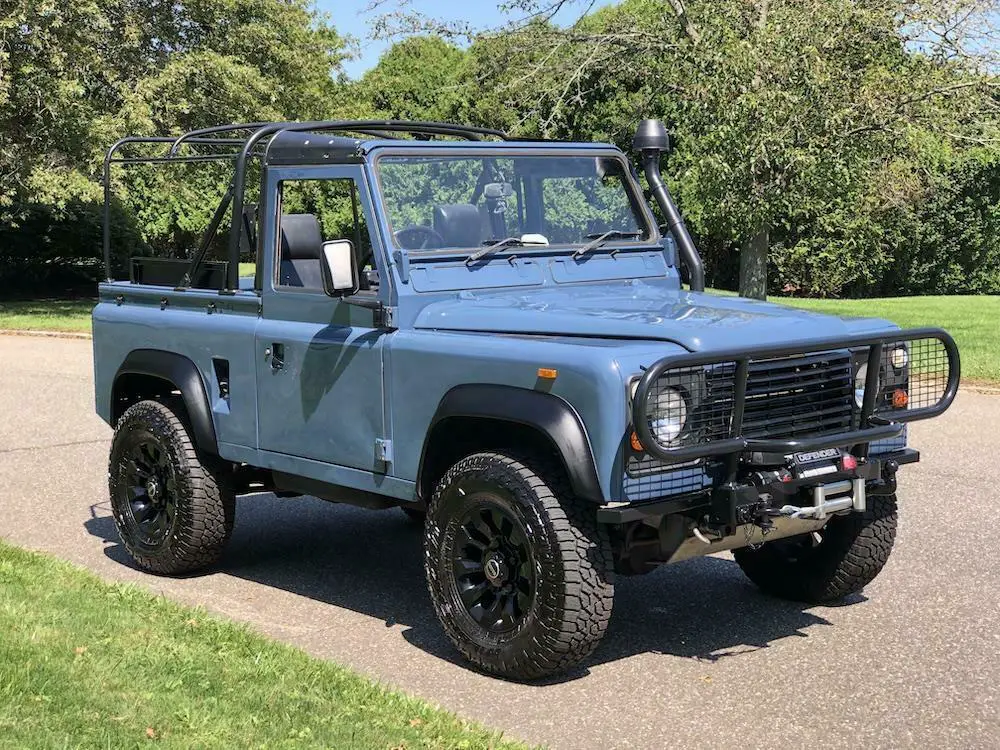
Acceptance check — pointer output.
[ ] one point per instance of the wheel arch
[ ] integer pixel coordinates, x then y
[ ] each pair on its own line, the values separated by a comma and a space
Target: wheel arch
146, 373
492, 417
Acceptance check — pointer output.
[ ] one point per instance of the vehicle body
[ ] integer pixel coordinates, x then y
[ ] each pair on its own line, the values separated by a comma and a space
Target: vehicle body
514, 353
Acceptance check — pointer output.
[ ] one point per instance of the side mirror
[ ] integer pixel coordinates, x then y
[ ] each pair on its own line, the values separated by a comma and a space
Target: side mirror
339, 268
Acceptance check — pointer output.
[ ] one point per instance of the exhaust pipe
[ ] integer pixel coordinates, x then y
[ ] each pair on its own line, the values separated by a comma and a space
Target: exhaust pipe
651, 142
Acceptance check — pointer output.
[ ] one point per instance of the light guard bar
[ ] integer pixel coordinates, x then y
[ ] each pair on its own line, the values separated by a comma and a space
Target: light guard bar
873, 426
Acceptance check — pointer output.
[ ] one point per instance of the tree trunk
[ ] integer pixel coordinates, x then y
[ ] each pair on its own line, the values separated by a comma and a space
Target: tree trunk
753, 265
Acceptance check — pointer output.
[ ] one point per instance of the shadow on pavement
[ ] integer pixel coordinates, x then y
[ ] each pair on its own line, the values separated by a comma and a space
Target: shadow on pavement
371, 562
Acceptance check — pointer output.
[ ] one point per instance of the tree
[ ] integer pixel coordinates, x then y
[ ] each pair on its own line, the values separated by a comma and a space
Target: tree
416, 79
790, 118
74, 77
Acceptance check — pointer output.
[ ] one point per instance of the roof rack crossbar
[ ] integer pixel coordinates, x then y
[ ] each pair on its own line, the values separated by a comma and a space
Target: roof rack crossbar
399, 126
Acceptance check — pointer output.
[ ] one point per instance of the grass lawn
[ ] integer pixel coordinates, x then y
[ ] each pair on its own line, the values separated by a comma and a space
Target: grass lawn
974, 321
47, 314
89, 664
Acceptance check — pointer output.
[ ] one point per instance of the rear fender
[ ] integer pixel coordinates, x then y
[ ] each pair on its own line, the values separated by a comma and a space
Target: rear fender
184, 375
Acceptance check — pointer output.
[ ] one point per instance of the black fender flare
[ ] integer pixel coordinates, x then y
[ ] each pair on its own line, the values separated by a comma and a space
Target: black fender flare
186, 378
551, 415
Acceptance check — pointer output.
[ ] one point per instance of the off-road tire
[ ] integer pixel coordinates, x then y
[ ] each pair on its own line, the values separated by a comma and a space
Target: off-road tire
853, 550
204, 503
573, 566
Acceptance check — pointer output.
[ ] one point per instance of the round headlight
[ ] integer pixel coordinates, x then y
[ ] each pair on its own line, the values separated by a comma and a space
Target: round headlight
899, 357
667, 415
859, 384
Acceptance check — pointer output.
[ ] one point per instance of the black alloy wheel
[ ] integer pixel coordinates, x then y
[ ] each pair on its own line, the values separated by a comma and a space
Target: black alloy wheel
519, 571
150, 492
494, 576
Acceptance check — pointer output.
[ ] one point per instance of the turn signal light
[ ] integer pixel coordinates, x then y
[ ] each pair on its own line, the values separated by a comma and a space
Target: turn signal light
900, 398
547, 373
634, 442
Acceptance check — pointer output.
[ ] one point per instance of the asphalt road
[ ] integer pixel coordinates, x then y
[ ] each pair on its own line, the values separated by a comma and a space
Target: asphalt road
694, 657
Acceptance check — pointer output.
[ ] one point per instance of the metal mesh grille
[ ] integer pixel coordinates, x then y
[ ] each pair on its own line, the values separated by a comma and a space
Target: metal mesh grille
646, 479
810, 394
794, 396
920, 382
708, 403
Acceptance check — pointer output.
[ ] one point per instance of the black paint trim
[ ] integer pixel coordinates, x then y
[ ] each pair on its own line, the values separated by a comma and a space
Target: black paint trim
551, 415
185, 376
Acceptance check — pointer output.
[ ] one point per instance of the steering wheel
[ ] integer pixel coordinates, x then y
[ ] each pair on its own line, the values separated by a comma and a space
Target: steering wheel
418, 237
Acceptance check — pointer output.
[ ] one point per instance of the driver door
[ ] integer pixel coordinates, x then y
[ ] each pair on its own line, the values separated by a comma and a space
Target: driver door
319, 360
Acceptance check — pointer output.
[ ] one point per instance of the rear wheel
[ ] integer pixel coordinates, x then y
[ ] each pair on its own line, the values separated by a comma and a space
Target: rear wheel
852, 551
519, 570
173, 508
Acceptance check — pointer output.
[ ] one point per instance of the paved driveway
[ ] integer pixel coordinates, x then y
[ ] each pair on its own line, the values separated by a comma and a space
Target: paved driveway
694, 657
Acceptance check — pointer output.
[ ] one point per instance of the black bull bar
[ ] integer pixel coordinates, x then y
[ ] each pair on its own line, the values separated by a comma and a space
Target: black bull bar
927, 348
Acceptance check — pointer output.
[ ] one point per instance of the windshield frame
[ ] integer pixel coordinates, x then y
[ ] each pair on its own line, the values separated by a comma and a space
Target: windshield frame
640, 206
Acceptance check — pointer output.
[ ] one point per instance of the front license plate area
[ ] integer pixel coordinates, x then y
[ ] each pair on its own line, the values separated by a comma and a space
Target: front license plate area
815, 463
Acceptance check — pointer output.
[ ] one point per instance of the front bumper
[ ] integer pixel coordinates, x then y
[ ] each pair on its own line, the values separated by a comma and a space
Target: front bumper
736, 503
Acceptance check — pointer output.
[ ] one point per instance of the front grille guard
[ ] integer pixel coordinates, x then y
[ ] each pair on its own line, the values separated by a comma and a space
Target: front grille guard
926, 347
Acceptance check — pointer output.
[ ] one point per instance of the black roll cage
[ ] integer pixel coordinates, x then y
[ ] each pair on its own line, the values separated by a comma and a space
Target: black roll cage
220, 136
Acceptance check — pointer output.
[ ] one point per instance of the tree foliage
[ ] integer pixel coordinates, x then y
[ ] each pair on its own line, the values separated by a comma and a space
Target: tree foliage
830, 146
74, 77
808, 131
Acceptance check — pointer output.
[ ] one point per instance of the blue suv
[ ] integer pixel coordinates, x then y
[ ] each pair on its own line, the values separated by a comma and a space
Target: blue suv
492, 334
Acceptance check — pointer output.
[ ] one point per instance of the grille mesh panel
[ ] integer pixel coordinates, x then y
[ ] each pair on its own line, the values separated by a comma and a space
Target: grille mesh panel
924, 379
646, 478
796, 396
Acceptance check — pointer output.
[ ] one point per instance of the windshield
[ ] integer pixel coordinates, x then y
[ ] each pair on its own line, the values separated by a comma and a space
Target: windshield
468, 202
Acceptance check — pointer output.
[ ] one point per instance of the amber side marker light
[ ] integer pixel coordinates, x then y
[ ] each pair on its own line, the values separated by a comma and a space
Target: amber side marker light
900, 398
547, 373
633, 440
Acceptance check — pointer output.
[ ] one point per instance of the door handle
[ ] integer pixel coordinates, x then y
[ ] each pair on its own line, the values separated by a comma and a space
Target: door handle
276, 352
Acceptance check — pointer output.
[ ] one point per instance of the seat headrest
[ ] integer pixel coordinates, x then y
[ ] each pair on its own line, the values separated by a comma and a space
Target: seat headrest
460, 224
301, 238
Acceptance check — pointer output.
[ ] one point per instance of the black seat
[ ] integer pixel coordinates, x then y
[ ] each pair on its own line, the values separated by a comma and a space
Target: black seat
459, 224
301, 245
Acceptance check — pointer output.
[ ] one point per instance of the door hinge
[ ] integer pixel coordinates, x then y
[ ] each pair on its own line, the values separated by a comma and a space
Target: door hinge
383, 450
385, 317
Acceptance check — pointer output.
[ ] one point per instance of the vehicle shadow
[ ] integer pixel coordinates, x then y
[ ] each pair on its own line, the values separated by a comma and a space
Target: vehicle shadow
371, 562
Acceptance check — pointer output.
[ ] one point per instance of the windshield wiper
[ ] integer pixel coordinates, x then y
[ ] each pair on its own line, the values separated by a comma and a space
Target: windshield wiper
602, 239
492, 246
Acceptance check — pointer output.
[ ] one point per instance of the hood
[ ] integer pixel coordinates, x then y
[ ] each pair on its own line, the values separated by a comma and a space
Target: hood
637, 310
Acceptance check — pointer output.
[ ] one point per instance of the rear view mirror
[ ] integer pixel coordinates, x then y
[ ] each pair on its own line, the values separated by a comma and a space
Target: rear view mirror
339, 269
495, 190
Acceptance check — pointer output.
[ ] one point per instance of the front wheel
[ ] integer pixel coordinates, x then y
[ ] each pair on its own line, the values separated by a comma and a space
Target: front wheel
519, 570
852, 550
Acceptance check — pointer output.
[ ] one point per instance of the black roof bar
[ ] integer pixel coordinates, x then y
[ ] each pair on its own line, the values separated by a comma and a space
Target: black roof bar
357, 126
469, 132
194, 134
110, 159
